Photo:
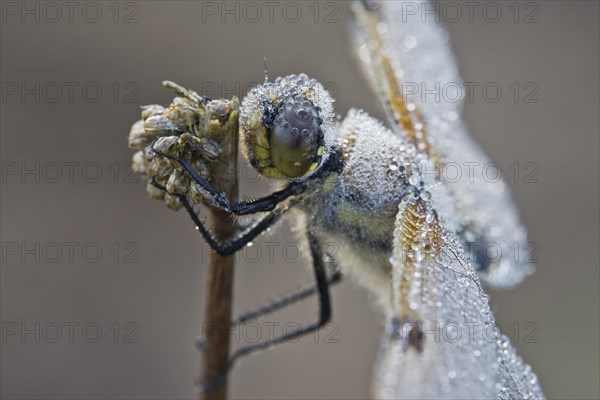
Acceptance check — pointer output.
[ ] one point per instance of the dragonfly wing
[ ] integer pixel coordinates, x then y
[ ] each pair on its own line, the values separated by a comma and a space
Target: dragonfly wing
406, 56
442, 341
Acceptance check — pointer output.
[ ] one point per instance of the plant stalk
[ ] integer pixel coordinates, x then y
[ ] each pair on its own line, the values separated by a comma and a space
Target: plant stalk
219, 289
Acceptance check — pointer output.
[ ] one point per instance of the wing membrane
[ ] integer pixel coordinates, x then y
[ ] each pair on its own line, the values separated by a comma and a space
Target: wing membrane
442, 340
408, 61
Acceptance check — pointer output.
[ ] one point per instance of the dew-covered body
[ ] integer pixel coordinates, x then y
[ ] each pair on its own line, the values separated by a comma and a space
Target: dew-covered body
397, 230
393, 225
353, 212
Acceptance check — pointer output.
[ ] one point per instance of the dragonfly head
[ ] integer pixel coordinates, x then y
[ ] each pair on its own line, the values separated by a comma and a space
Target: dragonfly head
285, 127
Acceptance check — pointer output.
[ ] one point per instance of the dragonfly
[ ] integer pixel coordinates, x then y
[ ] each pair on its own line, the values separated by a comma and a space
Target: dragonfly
375, 191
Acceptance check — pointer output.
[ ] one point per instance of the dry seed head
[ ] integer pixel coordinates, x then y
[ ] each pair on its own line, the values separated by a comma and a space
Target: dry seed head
161, 125
153, 109
188, 128
138, 138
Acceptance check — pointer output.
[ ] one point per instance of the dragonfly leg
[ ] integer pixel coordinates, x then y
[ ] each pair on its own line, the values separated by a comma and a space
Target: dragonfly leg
322, 288
300, 294
230, 246
267, 203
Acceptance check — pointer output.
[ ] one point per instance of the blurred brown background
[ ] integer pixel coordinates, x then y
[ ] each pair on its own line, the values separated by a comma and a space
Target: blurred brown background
161, 295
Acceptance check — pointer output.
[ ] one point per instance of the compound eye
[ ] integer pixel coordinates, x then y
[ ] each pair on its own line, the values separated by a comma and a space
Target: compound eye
295, 136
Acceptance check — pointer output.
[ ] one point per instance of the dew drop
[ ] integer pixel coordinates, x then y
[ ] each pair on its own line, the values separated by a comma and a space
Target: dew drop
382, 28
302, 114
416, 245
410, 42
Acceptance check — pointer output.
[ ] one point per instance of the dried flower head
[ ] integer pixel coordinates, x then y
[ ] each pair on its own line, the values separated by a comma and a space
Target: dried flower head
190, 128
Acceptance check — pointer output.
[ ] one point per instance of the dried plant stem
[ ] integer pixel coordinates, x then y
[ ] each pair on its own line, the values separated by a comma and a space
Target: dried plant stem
219, 289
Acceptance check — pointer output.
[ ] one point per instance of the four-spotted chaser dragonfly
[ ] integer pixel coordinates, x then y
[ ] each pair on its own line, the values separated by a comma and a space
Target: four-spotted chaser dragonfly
401, 232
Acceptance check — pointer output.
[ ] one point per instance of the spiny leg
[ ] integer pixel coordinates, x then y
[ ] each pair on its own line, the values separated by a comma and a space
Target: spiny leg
267, 203
322, 287
300, 294
269, 308
231, 246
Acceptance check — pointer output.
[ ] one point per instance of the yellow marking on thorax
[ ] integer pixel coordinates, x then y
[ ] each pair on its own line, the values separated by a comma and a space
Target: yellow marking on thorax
328, 185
